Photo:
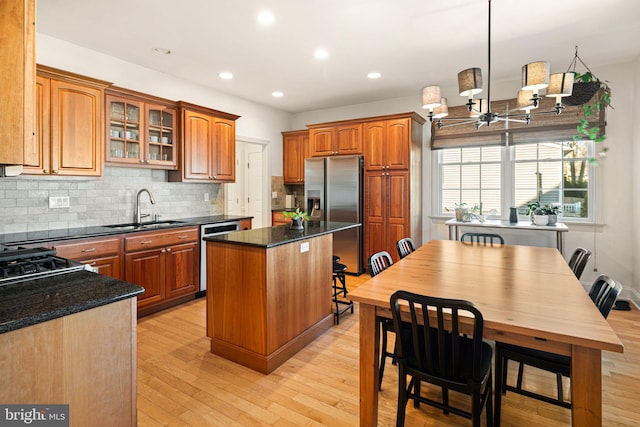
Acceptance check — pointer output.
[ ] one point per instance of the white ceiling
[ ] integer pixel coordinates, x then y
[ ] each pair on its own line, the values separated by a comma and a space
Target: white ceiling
413, 43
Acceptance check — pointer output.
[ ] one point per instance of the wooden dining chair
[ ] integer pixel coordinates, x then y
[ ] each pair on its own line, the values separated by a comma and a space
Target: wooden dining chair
482, 238
405, 247
603, 293
431, 348
578, 261
377, 263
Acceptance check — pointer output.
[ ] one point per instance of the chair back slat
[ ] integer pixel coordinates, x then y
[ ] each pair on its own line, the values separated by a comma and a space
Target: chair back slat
405, 247
578, 261
482, 238
604, 293
379, 262
434, 345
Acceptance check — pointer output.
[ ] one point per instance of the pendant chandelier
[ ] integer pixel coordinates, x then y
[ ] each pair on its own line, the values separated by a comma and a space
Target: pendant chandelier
535, 77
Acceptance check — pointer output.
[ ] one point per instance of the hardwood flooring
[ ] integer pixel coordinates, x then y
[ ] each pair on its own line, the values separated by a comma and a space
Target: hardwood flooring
180, 383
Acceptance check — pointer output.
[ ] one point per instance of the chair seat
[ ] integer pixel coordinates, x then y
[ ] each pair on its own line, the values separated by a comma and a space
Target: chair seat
339, 268
536, 358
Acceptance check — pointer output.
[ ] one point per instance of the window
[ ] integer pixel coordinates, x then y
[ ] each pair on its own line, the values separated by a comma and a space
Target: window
554, 173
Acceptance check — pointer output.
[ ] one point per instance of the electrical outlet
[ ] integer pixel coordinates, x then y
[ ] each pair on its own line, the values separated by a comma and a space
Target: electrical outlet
206, 197
58, 202
274, 194
304, 247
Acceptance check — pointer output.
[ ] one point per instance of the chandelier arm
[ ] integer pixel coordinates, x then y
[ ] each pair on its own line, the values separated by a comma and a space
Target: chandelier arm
467, 122
510, 119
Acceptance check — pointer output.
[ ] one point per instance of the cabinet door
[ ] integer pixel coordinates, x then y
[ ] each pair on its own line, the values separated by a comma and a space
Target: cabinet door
76, 129
37, 151
321, 142
397, 215
374, 218
293, 152
109, 266
198, 146
160, 136
17, 77
245, 224
349, 139
125, 134
224, 132
398, 143
374, 142
181, 270
146, 269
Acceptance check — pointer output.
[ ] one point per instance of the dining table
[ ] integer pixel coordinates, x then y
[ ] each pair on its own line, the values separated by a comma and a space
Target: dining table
527, 295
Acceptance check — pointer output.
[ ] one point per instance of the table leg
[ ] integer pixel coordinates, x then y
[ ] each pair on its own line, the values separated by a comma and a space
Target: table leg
369, 350
586, 387
450, 233
560, 242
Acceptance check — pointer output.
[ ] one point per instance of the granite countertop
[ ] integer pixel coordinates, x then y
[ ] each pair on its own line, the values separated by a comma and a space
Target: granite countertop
31, 302
98, 230
268, 237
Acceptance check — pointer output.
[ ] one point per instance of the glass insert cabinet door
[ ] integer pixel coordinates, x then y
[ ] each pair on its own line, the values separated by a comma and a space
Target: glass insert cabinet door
160, 134
124, 130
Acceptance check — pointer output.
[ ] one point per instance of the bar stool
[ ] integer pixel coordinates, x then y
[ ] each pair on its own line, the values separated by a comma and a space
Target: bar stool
340, 288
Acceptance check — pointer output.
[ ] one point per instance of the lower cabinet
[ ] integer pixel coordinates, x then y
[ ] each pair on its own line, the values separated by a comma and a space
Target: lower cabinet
165, 264
104, 254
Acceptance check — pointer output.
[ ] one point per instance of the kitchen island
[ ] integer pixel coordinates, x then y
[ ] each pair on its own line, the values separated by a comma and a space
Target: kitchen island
269, 291
71, 339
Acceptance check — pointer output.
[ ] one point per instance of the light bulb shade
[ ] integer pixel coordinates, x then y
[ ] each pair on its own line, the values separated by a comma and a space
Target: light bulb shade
535, 75
524, 101
470, 82
481, 105
560, 85
431, 97
442, 110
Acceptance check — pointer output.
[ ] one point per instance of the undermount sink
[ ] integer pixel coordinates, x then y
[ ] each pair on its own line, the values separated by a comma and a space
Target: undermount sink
145, 225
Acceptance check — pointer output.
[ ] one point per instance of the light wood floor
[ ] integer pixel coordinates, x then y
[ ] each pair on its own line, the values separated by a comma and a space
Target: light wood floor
180, 383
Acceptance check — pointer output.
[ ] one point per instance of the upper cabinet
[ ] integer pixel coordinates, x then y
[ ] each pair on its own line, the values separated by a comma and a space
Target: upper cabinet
328, 139
140, 132
208, 151
69, 130
387, 144
17, 78
295, 148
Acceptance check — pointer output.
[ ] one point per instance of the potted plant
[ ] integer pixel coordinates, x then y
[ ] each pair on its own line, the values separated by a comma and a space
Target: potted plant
297, 218
540, 216
553, 211
462, 212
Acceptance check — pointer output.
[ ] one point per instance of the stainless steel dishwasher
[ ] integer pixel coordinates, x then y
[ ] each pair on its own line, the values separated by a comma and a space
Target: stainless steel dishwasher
211, 230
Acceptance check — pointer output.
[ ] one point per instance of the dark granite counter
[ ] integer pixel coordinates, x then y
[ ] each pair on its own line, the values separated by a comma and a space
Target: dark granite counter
31, 302
268, 237
96, 231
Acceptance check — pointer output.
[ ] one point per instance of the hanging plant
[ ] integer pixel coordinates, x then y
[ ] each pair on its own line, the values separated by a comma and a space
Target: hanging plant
594, 96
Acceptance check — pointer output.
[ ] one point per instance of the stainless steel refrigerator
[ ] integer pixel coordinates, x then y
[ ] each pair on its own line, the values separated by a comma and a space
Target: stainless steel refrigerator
333, 190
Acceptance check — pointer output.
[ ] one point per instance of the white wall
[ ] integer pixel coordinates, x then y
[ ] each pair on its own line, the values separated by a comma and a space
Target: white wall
618, 189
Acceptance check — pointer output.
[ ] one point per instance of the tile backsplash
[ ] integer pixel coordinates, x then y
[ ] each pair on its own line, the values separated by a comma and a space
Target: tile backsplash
280, 189
24, 200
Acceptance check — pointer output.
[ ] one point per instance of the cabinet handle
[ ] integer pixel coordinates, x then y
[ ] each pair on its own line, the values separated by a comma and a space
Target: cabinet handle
88, 250
146, 242
163, 251
183, 237
54, 171
210, 177
92, 263
45, 171
168, 249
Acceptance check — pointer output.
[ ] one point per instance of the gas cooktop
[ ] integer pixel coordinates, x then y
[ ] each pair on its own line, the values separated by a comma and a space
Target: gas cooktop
19, 264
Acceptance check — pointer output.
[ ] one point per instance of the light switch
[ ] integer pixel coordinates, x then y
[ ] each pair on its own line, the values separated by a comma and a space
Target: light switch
304, 247
274, 194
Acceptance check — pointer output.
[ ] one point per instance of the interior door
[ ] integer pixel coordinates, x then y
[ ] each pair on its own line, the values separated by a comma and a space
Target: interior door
246, 195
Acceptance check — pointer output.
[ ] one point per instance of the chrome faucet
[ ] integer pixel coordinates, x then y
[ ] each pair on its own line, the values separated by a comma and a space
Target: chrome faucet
136, 212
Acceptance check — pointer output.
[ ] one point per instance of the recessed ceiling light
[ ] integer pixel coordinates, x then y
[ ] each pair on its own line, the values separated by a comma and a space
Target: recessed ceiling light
226, 75
277, 94
266, 18
374, 75
321, 54
161, 50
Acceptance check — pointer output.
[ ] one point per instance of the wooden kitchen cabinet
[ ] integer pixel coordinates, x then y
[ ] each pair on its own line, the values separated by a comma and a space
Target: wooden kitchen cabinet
393, 181
245, 224
69, 124
332, 139
105, 254
140, 130
17, 78
165, 264
295, 148
208, 151
277, 218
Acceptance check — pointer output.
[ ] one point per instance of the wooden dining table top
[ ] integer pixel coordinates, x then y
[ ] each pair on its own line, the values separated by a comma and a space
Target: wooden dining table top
521, 291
